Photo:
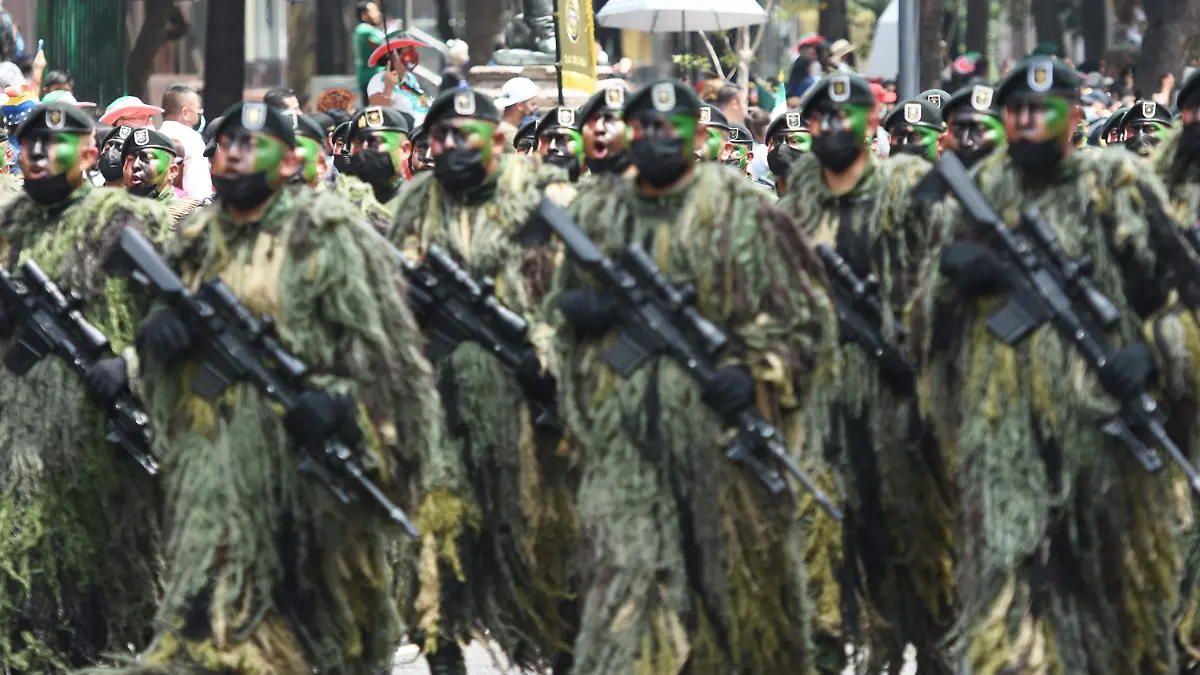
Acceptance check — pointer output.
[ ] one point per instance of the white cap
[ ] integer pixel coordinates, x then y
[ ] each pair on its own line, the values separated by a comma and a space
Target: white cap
516, 90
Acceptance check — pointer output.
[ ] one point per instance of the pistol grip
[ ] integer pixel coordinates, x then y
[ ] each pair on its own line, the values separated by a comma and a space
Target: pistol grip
1014, 322
23, 356
628, 355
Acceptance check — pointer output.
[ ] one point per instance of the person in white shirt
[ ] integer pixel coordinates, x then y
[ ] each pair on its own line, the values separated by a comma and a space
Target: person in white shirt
183, 120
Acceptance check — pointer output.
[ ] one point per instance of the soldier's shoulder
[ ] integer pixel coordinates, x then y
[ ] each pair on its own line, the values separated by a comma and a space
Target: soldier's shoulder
1119, 169
117, 207
904, 169
804, 174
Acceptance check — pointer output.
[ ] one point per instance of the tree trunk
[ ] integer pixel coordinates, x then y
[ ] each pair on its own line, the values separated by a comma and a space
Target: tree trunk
445, 30
832, 23
333, 40
225, 55
930, 20
1048, 23
1170, 28
1018, 12
1095, 33
482, 29
978, 15
302, 47
152, 36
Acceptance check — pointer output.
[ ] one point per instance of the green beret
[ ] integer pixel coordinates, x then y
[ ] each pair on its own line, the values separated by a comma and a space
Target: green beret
740, 134
1148, 110
417, 134
1189, 92
936, 97
121, 131
791, 120
52, 118
342, 131
1113, 121
307, 126
918, 112
667, 97
378, 118
527, 130
844, 88
462, 102
258, 117
713, 117
324, 121
978, 97
608, 99
555, 118
141, 139
1038, 76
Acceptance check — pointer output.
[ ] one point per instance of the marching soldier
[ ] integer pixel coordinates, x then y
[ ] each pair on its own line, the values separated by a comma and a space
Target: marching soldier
379, 151
525, 142
1144, 125
310, 147
419, 159
605, 150
974, 123
715, 134
788, 138
915, 127
151, 167
559, 141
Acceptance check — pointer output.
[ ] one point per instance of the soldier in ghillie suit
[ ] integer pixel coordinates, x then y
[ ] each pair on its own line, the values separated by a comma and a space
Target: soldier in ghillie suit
605, 149
419, 159
379, 151
78, 518
559, 141
1067, 562
268, 572
973, 123
893, 549
915, 127
310, 148
689, 564
1144, 125
714, 134
788, 137
151, 167
496, 517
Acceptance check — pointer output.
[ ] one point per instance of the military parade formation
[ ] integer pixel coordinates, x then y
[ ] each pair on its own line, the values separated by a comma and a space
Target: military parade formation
596, 394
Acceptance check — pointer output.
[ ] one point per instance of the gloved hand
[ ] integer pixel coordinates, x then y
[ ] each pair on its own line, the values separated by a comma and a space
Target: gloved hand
588, 310
319, 416
106, 379
974, 268
537, 384
164, 336
1127, 371
731, 392
6, 327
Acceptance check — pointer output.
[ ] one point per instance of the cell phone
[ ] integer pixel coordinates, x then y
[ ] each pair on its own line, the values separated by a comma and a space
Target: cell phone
40, 43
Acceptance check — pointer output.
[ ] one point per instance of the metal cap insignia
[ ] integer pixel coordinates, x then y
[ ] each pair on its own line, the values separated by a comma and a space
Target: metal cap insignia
1041, 75
375, 117
663, 96
464, 103
839, 88
141, 137
912, 112
981, 97
123, 132
935, 99
1148, 109
55, 120
615, 97
566, 117
254, 115
793, 120
734, 134
705, 115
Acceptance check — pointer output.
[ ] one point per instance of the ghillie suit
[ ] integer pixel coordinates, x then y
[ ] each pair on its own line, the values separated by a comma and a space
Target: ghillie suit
689, 564
891, 557
497, 518
9, 185
78, 519
269, 574
1067, 557
360, 194
178, 207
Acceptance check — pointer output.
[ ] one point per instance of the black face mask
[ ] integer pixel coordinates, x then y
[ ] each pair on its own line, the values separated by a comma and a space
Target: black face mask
49, 190
1189, 143
373, 166
460, 170
836, 151
660, 161
1036, 158
915, 149
243, 192
971, 156
111, 166
567, 162
611, 164
342, 163
1142, 144
781, 158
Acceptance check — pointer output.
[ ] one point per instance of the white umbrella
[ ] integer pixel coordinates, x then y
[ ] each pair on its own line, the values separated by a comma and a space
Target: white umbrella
680, 16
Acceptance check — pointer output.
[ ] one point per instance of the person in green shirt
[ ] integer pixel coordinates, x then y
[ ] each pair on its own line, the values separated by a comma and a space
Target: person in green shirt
367, 36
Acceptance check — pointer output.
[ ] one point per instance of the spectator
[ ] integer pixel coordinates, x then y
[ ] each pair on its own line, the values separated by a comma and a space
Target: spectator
709, 87
57, 80
183, 122
457, 59
757, 121
397, 86
130, 111
335, 99
1166, 87
839, 53
282, 98
730, 101
367, 37
518, 100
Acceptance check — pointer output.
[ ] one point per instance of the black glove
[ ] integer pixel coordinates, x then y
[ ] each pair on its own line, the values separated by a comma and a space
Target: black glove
319, 416
589, 311
164, 336
1126, 372
106, 379
974, 268
6, 327
731, 392
537, 384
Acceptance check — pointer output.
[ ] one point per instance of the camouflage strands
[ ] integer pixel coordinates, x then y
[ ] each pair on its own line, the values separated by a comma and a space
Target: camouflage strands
686, 559
894, 549
269, 573
79, 549
1067, 559
497, 517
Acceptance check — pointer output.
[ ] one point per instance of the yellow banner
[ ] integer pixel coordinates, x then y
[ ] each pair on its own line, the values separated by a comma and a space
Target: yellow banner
576, 37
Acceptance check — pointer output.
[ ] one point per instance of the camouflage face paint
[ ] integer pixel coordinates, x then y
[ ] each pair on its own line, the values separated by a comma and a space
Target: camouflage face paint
161, 165
714, 144
310, 151
268, 155
740, 153
64, 152
479, 135
800, 140
1058, 116
929, 138
685, 129
856, 116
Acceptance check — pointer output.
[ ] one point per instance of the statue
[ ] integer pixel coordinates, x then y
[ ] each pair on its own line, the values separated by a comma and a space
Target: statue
530, 36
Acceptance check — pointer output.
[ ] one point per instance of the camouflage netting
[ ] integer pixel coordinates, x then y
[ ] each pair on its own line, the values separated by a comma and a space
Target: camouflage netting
1067, 560
895, 551
686, 559
268, 573
78, 519
362, 196
497, 519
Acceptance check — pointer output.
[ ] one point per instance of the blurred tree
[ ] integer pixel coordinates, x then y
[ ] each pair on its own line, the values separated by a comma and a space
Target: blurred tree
301, 47
1171, 27
833, 20
483, 28
225, 55
978, 18
152, 35
930, 24
1047, 21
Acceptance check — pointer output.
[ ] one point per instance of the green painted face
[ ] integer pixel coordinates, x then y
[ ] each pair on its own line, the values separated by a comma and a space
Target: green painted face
311, 153
268, 155
64, 152
685, 129
741, 153
800, 140
1058, 116
856, 116
478, 133
712, 147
